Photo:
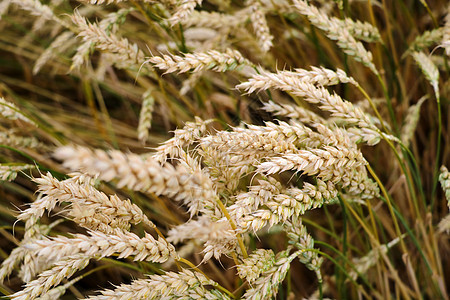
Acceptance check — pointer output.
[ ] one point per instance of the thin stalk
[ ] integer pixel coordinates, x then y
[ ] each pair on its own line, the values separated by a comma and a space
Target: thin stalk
122, 264
407, 175
388, 102
233, 226
401, 286
216, 285
348, 262
342, 289
438, 152
389, 204
377, 113
435, 23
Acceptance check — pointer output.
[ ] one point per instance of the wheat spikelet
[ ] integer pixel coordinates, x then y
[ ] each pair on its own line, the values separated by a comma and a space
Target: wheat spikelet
444, 179
337, 31
10, 111
12, 261
411, 121
429, 69
99, 244
320, 76
81, 55
283, 206
312, 94
90, 207
270, 203
57, 292
30, 264
362, 30
170, 285
425, 40
344, 110
36, 8
258, 262
145, 117
191, 132
446, 33
62, 42
266, 286
128, 54
328, 163
210, 60
293, 112
11, 139
363, 264
184, 9
62, 269
230, 155
8, 172
185, 182
217, 235
259, 23
212, 20
300, 239
444, 224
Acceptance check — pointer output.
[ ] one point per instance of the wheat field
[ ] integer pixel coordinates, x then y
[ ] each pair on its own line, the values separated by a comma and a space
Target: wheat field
222, 149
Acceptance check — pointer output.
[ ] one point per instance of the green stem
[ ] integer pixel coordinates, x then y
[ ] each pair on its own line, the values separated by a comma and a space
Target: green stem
343, 292
388, 102
438, 152
233, 226
348, 262
216, 285
389, 204
377, 113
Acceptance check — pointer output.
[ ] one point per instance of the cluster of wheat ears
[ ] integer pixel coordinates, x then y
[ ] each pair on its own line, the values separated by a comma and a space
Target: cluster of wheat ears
220, 149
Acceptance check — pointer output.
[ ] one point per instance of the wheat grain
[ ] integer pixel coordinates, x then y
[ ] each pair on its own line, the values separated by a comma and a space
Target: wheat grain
266, 286
338, 32
11, 139
62, 42
446, 33
362, 30
259, 23
428, 69
99, 244
90, 207
293, 112
316, 95
145, 117
10, 111
425, 40
258, 262
210, 60
217, 235
9, 172
444, 179
169, 285
184, 9
183, 182
128, 54
411, 121
57, 292
213, 20
299, 238
64, 268
189, 134
36, 8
